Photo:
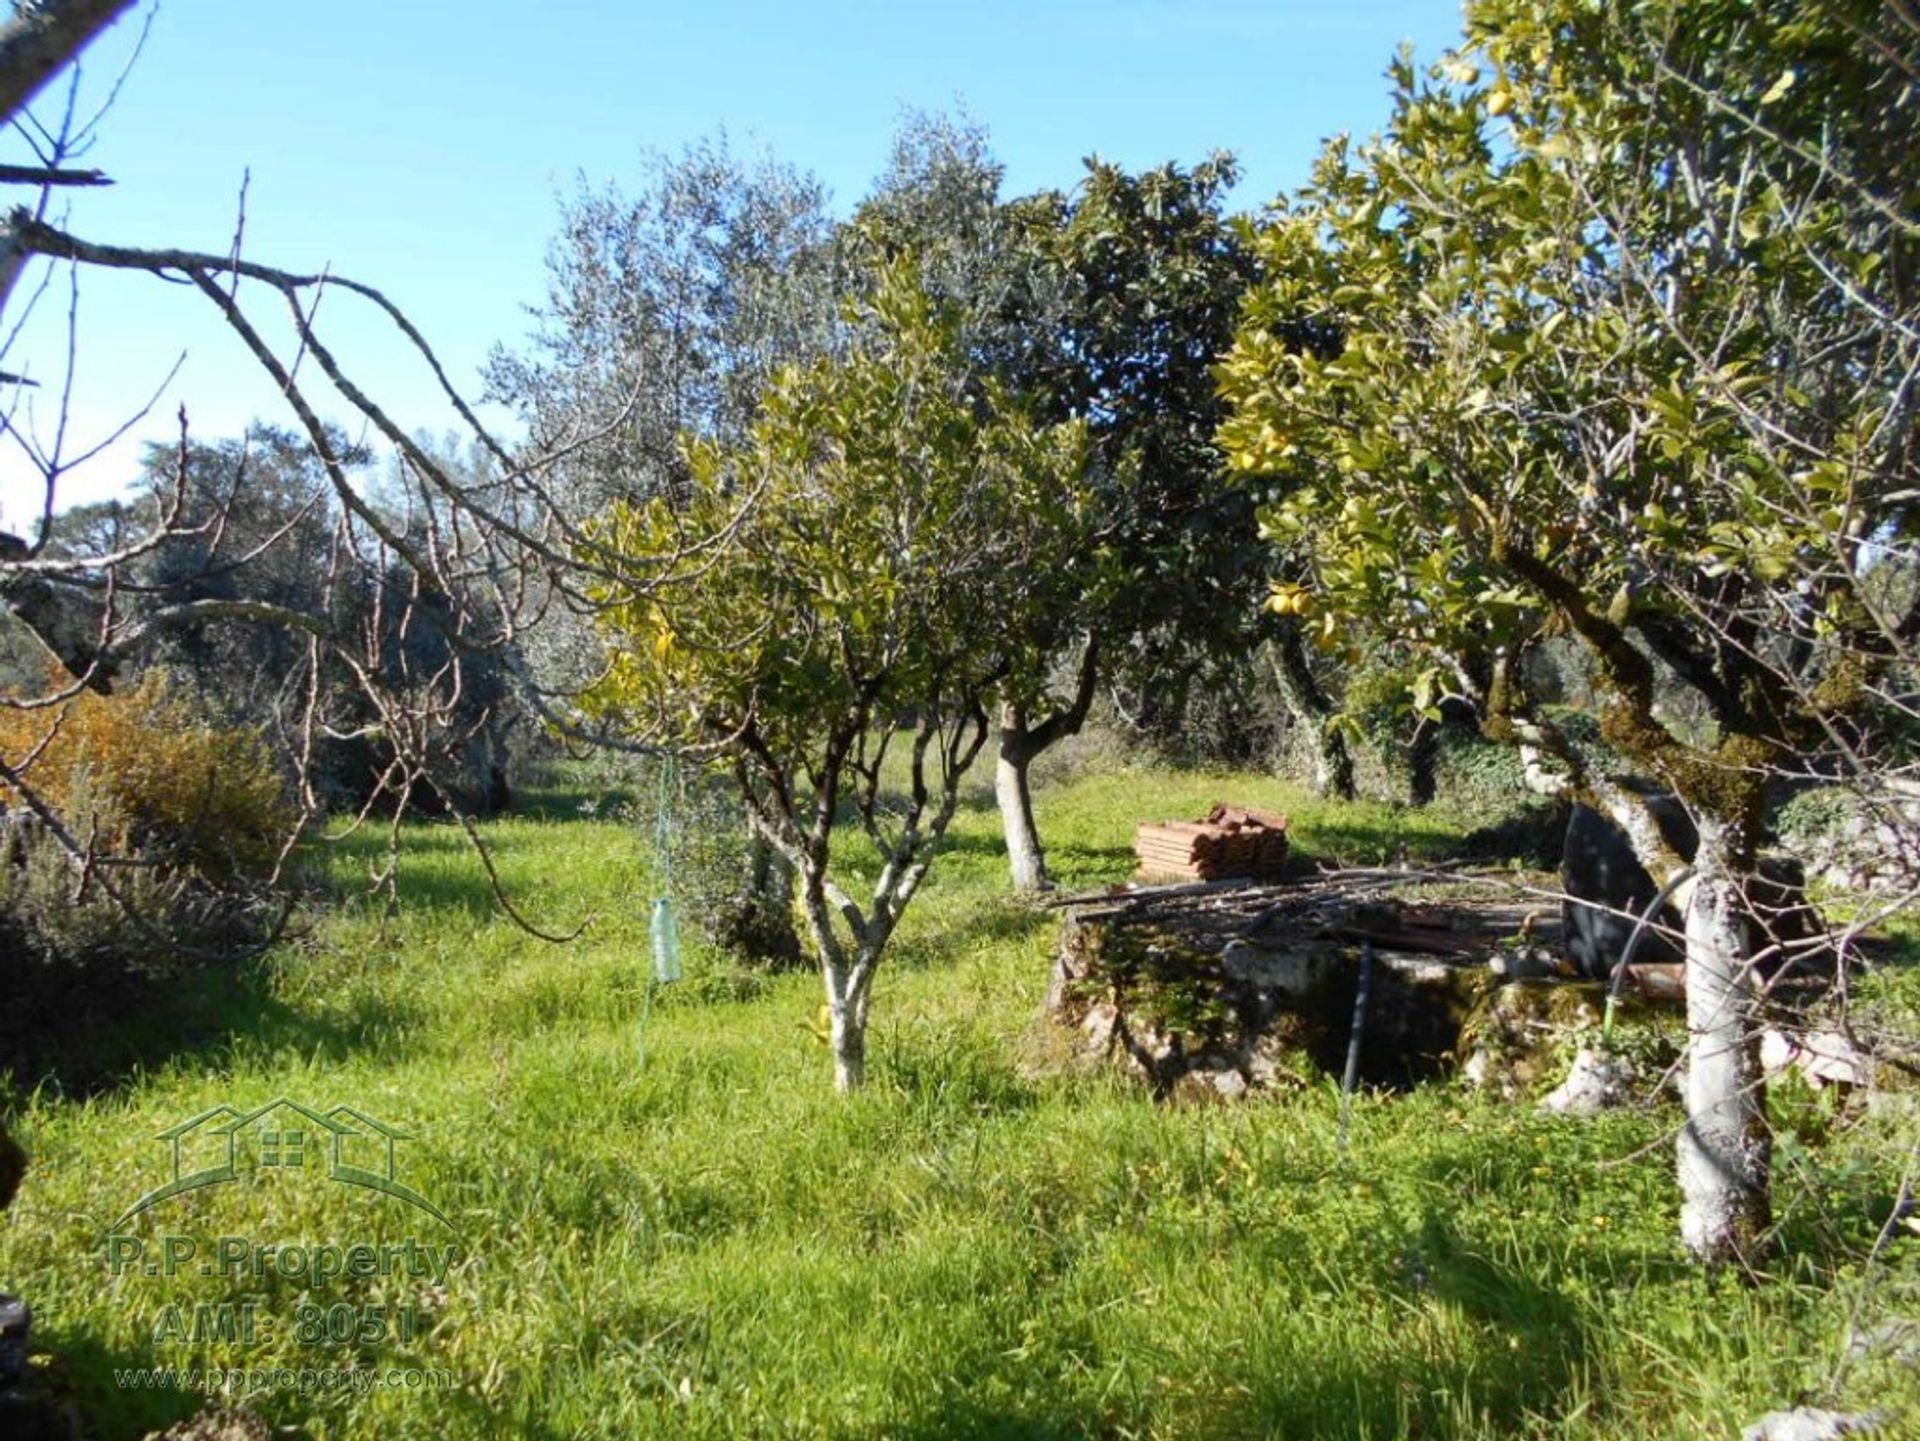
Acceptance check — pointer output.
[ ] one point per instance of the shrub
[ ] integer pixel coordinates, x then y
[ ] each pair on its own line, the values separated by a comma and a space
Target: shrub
154, 781
1479, 771
60, 919
1816, 818
183, 818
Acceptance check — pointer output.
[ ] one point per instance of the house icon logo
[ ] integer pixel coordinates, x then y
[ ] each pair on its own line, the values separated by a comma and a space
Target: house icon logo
224, 1144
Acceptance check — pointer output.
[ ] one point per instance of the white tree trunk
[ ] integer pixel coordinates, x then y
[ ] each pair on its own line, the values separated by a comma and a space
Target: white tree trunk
1724, 1148
1025, 858
849, 1022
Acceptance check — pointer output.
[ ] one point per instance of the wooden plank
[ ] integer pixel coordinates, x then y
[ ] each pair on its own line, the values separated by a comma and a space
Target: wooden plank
1224, 814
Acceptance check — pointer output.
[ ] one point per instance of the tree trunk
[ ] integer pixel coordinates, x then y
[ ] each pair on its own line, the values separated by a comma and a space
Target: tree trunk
1025, 856
1423, 760
849, 1022
1019, 743
1724, 1149
1309, 710
40, 39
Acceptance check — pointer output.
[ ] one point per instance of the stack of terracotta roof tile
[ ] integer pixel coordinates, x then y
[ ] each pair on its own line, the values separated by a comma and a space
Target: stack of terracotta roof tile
1231, 842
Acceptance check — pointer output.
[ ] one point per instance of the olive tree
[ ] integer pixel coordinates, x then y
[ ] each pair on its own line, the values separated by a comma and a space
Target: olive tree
847, 586
669, 308
1629, 354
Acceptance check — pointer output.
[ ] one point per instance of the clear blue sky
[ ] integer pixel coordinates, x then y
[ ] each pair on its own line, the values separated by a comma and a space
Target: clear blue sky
420, 147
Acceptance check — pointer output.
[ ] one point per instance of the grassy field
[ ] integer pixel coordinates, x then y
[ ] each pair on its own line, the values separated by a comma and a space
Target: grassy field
716, 1244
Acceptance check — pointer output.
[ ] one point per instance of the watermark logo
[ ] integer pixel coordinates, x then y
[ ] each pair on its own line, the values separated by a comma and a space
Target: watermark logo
222, 1144
222, 1291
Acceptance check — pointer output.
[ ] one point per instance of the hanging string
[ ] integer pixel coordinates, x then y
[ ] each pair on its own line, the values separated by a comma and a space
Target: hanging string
1351, 1079
663, 927
663, 826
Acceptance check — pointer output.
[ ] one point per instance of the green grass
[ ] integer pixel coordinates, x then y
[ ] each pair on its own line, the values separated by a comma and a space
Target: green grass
717, 1244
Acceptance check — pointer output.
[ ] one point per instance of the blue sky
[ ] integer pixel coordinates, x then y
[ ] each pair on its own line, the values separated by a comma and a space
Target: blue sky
420, 147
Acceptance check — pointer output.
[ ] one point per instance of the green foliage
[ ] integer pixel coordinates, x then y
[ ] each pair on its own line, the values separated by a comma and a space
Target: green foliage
880, 543
1106, 304
881, 555
715, 883
1626, 337
670, 307
1156, 979
1620, 350
1813, 819
1141, 275
1477, 769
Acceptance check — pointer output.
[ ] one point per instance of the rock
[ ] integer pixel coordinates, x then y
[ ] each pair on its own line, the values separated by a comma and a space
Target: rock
13, 1165
16, 1336
1267, 1067
1825, 1058
1777, 1051
1809, 1423
1525, 963
1207, 1084
1523, 1028
1098, 1026
1607, 887
1250, 988
1597, 1082
1294, 974
1230, 1084
1897, 1341
1479, 1069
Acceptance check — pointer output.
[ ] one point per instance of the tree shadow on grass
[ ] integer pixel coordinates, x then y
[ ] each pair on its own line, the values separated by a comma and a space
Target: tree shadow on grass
570, 801
439, 874
89, 1029
83, 1037
993, 923
1084, 864
82, 1369
457, 892
429, 840
1521, 1355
